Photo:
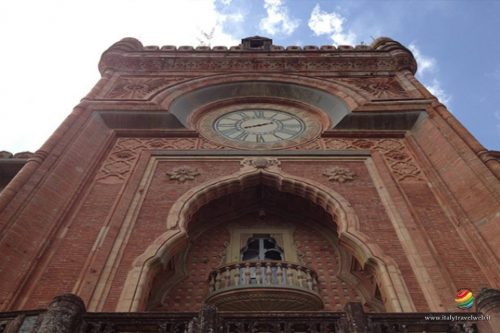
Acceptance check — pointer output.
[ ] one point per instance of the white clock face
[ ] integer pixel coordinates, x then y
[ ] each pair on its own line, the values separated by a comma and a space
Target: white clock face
259, 126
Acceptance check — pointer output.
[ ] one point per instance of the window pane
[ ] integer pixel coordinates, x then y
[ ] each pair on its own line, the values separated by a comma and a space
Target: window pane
269, 243
273, 255
253, 244
250, 255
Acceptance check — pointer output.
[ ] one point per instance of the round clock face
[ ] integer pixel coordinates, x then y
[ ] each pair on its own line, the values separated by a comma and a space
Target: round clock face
259, 126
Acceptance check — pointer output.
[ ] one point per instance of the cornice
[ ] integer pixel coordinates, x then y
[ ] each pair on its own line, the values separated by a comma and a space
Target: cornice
383, 55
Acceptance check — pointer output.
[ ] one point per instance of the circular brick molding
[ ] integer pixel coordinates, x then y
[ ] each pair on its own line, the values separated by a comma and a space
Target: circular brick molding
207, 119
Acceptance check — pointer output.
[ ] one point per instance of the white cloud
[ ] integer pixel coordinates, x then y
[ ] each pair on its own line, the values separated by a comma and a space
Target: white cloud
324, 23
427, 74
435, 88
54, 48
277, 20
425, 64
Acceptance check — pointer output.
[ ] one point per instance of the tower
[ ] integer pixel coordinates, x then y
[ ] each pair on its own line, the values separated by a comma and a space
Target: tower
255, 178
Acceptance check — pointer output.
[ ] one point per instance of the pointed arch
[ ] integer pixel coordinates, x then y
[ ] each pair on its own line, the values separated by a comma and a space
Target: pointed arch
368, 254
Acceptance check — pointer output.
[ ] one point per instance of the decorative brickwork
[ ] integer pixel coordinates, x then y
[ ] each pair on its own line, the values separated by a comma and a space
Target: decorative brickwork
340, 175
126, 150
378, 88
183, 173
139, 88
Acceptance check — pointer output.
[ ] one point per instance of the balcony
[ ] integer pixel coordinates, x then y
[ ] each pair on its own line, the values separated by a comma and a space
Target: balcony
266, 285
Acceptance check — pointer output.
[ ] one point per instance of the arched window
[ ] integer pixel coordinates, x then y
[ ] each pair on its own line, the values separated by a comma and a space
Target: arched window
261, 247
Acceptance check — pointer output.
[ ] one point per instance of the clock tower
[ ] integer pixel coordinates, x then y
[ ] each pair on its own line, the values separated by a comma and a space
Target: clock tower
254, 179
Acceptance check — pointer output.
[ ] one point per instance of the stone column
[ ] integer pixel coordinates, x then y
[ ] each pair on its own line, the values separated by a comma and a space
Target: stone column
64, 315
488, 303
356, 318
14, 325
205, 322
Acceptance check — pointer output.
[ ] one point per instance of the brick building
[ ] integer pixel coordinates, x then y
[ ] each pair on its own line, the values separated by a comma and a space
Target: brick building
255, 178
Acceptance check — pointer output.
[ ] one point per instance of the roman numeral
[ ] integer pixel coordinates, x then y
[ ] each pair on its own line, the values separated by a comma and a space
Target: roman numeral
258, 114
243, 115
242, 136
274, 115
230, 131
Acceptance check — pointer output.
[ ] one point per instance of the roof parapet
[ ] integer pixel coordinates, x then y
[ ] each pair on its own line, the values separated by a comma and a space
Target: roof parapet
258, 44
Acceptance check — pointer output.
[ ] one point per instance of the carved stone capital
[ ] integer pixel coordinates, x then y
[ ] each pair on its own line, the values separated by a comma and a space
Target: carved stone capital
260, 162
488, 303
64, 315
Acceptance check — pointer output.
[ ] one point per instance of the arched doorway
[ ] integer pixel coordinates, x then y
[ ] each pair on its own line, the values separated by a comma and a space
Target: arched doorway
261, 249
359, 262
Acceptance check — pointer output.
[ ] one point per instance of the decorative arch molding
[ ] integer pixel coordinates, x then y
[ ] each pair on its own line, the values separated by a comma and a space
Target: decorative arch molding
193, 94
368, 254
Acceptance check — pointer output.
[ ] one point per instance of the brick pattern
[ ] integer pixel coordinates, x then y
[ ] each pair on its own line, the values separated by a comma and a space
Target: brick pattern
373, 219
151, 221
319, 254
203, 256
70, 254
463, 269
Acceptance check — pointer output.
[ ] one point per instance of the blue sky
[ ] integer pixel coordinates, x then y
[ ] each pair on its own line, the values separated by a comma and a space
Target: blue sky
51, 50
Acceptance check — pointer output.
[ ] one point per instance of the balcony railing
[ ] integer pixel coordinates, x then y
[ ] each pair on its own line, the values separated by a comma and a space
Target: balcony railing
209, 320
262, 274
264, 286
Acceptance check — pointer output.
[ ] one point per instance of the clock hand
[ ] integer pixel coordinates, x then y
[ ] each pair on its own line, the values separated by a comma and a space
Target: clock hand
268, 123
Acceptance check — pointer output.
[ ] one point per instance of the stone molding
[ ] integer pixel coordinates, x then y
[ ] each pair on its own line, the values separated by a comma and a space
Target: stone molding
385, 55
123, 156
260, 162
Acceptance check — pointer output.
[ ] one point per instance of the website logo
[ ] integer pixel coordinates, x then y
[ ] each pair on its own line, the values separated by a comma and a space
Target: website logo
464, 299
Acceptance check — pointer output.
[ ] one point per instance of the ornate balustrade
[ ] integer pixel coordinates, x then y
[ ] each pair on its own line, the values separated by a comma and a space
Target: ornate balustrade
211, 321
264, 285
67, 314
263, 274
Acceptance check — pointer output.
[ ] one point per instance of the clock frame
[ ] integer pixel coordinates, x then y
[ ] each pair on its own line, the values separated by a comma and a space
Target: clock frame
259, 126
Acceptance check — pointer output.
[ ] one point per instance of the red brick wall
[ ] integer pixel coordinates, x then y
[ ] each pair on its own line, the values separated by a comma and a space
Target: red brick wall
373, 220
320, 255
203, 256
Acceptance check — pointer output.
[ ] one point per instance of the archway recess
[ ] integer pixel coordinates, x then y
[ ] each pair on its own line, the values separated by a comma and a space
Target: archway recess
266, 172
335, 98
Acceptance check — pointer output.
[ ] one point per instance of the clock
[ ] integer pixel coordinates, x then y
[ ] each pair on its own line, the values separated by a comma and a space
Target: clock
259, 126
